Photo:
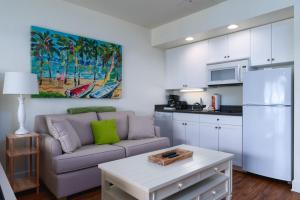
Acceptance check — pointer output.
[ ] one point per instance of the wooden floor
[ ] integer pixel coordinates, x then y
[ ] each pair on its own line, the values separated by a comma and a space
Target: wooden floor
245, 187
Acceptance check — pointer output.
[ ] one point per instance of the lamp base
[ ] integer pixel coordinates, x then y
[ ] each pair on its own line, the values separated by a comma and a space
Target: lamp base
21, 131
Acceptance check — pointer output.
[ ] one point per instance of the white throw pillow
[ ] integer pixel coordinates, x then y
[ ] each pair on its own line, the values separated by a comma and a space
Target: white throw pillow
141, 127
64, 132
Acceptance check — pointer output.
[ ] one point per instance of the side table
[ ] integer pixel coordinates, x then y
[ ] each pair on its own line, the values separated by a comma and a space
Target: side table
30, 150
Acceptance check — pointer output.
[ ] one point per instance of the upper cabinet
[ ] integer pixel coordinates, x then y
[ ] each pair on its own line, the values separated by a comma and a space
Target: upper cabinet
229, 47
264, 45
261, 45
239, 45
186, 66
283, 41
272, 43
218, 49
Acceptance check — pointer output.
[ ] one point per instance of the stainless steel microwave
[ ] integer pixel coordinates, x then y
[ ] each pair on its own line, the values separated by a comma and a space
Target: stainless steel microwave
227, 73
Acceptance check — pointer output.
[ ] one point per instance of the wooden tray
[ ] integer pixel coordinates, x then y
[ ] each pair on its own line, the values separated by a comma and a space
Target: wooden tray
183, 154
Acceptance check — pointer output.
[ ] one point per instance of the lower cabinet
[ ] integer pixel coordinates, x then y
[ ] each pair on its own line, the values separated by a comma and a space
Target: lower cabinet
178, 133
185, 133
192, 133
230, 140
216, 132
209, 136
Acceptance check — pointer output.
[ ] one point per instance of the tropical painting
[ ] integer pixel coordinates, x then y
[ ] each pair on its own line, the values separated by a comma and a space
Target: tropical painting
70, 66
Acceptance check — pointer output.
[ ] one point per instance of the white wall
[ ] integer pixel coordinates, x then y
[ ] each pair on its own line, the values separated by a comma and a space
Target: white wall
230, 95
220, 15
296, 182
143, 65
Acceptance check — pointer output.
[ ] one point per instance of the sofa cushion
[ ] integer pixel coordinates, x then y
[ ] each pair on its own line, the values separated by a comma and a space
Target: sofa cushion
80, 122
105, 131
86, 156
135, 147
66, 134
141, 127
122, 121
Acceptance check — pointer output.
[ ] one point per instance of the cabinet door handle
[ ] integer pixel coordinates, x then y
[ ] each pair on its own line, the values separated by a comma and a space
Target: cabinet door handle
268, 59
218, 119
228, 56
225, 56
273, 59
219, 127
216, 127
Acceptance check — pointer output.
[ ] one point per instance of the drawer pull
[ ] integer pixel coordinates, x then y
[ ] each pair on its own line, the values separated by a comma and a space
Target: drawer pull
213, 193
217, 171
180, 186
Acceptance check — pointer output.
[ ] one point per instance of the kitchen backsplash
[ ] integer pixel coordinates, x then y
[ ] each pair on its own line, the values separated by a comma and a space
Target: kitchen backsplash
230, 95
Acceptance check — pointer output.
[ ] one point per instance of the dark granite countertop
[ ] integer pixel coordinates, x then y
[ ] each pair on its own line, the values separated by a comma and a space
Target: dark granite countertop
225, 110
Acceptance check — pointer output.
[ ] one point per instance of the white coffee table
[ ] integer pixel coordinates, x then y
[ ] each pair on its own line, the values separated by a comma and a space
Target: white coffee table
206, 175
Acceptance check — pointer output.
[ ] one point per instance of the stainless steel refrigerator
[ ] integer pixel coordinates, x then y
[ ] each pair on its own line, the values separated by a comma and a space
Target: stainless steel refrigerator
267, 123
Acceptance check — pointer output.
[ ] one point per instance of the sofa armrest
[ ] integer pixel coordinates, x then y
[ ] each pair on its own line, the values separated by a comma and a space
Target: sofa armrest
157, 131
50, 146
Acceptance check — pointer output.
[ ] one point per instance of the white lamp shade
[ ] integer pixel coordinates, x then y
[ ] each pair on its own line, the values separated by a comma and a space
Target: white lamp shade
20, 83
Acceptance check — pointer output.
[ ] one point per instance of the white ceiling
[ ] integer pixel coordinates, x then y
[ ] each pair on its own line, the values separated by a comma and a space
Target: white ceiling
147, 13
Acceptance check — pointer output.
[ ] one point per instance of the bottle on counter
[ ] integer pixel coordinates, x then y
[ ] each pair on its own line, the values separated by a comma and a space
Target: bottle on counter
216, 102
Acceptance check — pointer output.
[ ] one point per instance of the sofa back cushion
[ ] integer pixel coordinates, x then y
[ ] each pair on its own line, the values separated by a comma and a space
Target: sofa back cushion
141, 127
80, 122
121, 118
66, 134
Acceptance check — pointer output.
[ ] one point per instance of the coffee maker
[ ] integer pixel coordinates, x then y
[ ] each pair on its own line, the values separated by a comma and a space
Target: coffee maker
172, 99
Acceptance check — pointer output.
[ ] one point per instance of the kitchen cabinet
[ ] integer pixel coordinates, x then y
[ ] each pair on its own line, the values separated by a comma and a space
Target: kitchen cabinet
186, 129
174, 69
192, 136
186, 66
217, 132
218, 49
222, 133
282, 41
261, 45
178, 133
230, 140
229, 47
272, 43
209, 136
185, 133
239, 45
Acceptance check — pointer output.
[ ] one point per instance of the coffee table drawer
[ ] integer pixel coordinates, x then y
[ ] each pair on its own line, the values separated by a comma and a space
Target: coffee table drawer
211, 171
216, 193
176, 187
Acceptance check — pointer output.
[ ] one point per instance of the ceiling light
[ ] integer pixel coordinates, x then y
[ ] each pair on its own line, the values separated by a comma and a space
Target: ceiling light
189, 39
232, 26
192, 90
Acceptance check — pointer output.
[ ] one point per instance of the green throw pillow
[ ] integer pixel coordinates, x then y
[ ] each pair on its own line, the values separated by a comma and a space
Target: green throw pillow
105, 131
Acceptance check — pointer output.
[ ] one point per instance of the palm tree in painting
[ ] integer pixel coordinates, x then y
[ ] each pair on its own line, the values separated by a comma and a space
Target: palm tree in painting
94, 54
43, 46
66, 44
105, 54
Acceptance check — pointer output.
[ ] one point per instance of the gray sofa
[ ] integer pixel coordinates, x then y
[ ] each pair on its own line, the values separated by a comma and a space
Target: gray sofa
70, 173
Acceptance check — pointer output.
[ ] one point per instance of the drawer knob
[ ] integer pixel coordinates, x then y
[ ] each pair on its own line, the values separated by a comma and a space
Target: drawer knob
216, 169
180, 186
213, 192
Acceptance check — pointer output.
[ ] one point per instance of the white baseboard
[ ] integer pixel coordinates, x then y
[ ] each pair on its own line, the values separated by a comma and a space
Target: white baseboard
296, 186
